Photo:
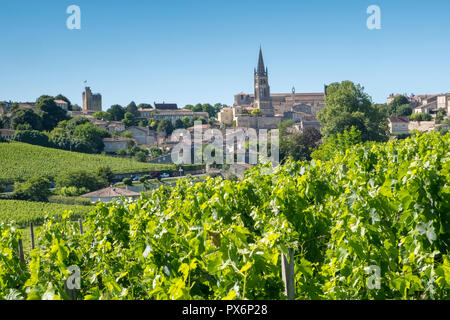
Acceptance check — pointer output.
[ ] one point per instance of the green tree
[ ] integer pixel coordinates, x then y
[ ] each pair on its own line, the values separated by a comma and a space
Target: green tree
155, 151
102, 115
347, 106
26, 116
256, 112
35, 189
133, 109
127, 182
179, 124
50, 113
117, 112
140, 156
130, 120
93, 136
105, 173
81, 179
404, 110
165, 126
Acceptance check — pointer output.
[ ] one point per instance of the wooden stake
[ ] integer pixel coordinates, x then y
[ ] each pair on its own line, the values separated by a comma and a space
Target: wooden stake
80, 222
288, 275
32, 235
21, 256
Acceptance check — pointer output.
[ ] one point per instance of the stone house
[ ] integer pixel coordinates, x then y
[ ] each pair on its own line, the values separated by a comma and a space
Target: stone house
398, 125
144, 136
112, 145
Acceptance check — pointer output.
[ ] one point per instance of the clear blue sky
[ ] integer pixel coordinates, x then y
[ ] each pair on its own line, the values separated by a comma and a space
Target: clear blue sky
205, 50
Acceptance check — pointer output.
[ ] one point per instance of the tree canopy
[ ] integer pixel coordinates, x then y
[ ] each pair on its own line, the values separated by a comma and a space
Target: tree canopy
348, 105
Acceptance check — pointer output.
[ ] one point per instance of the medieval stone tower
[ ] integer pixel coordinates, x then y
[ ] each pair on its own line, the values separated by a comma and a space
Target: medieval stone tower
263, 101
91, 102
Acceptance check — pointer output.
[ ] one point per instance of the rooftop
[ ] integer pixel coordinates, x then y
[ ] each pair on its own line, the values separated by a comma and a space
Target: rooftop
111, 192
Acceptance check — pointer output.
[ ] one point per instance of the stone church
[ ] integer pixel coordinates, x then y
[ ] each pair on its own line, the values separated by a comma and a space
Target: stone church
273, 108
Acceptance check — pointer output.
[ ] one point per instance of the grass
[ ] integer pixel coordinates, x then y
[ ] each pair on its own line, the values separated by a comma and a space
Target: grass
20, 161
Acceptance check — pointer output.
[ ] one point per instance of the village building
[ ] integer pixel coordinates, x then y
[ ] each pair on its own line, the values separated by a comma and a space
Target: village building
62, 104
144, 136
7, 134
111, 194
398, 125
112, 145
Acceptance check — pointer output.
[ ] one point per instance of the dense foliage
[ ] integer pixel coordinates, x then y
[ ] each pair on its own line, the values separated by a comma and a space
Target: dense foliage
377, 205
349, 106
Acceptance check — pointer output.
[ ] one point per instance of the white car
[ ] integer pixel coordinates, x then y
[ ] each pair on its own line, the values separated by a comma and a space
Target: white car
165, 175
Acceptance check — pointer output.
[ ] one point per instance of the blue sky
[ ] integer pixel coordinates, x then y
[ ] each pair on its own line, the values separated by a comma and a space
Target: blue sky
205, 50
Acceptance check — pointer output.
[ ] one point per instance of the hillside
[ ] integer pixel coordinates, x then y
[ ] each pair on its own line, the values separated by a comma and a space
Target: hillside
24, 212
19, 161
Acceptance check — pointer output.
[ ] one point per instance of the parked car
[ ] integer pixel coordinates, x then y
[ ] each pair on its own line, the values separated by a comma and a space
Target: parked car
165, 175
135, 178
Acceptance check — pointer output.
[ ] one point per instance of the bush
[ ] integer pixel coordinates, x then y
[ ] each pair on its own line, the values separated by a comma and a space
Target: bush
32, 137
80, 179
127, 182
35, 189
140, 156
72, 191
144, 178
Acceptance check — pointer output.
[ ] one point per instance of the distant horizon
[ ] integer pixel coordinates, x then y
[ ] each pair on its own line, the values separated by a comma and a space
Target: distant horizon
189, 52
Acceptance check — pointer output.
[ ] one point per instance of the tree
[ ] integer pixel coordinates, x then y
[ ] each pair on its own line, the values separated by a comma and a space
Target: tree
155, 151
24, 117
105, 173
256, 112
165, 126
404, 110
81, 179
179, 124
117, 112
347, 106
129, 120
76, 107
50, 113
299, 145
93, 136
127, 134
132, 108
102, 115
128, 182
35, 189
140, 156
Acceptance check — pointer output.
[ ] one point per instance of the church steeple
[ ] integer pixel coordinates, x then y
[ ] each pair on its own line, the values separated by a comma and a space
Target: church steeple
262, 101
261, 69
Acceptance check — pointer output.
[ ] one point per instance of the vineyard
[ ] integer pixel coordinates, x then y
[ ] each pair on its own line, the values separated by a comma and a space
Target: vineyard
21, 213
377, 206
21, 161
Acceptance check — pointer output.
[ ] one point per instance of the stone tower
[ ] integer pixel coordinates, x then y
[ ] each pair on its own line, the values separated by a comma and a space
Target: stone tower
91, 102
263, 101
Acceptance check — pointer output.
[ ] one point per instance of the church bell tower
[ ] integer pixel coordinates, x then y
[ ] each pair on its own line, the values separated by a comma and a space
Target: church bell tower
263, 101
